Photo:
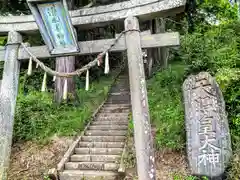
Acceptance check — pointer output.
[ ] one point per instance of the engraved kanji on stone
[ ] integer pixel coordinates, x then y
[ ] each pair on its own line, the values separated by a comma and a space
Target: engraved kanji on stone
212, 158
202, 89
207, 144
207, 109
207, 127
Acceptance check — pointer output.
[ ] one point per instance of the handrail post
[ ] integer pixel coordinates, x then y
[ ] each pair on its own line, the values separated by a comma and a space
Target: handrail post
8, 97
140, 111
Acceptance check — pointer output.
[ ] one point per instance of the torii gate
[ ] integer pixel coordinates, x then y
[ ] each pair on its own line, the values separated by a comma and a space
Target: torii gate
133, 42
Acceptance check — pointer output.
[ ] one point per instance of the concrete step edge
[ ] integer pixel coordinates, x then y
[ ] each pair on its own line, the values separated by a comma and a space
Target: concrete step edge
88, 174
99, 166
94, 158
101, 151
101, 144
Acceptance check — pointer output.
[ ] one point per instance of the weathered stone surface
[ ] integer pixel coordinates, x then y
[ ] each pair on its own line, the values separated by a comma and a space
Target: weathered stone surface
208, 137
98, 46
87, 18
8, 97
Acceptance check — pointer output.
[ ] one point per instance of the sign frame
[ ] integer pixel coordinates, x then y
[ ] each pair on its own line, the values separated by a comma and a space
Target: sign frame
55, 25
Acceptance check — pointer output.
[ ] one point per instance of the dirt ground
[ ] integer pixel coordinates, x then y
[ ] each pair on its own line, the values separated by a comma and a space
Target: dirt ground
168, 165
30, 161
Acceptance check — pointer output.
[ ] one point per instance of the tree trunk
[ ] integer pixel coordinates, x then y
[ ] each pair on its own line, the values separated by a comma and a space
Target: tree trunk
65, 64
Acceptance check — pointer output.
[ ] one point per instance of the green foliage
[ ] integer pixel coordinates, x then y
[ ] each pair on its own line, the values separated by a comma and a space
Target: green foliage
2, 43
1, 69
38, 118
3, 40
212, 50
229, 81
221, 9
179, 177
164, 95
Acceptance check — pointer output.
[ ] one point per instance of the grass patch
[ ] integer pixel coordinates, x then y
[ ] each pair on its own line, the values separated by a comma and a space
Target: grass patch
166, 109
38, 118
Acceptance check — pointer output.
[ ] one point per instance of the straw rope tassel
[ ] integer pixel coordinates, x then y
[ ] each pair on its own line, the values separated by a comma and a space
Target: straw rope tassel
29, 67
87, 81
98, 63
44, 83
54, 78
106, 68
65, 89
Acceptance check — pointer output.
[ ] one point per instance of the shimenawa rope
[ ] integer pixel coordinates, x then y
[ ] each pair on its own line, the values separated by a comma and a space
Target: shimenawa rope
78, 72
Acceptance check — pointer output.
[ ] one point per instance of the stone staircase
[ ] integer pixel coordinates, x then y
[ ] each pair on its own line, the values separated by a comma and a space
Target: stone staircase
97, 154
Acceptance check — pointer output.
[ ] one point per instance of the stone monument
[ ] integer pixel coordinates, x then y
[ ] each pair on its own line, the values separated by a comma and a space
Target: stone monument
208, 138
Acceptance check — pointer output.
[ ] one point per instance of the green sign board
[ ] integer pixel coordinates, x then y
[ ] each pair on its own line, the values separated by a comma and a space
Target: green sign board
55, 26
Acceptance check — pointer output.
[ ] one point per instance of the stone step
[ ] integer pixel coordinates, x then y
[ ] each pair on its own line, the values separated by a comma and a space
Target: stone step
115, 110
107, 103
114, 122
105, 133
116, 105
101, 144
98, 166
112, 115
94, 158
116, 118
120, 93
106, 151
120, 87
108, 127
123, 77
117, 101
121, 106
88, 175
103, 138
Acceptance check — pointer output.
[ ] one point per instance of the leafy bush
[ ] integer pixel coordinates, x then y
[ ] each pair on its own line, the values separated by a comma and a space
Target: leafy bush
229, 81
212, 50
38, 118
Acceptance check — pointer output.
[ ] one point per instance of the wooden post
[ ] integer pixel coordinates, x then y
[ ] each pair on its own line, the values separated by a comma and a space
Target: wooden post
8, 96
163, 51
150, 62
139, 101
